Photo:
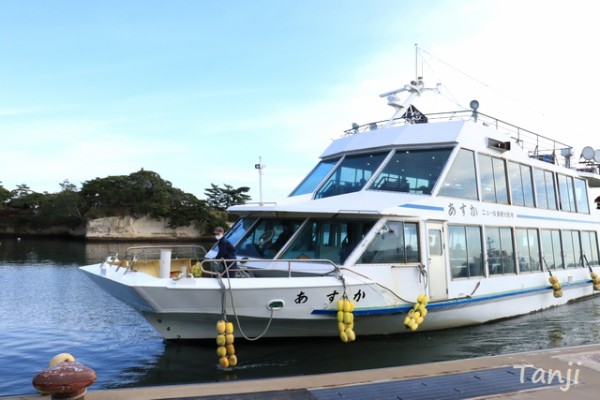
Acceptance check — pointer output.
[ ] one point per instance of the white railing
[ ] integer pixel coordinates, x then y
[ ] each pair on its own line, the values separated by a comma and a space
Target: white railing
178, 251
537, 146
259, 268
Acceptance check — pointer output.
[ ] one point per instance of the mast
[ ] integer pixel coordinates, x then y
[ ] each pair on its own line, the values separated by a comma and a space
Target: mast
414, 90
416, 62
260, 168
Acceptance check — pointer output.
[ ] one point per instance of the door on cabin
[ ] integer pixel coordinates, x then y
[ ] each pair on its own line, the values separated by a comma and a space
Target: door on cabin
436, 267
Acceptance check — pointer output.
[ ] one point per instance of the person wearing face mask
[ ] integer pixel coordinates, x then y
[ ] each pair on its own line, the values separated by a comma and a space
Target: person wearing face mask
226, 249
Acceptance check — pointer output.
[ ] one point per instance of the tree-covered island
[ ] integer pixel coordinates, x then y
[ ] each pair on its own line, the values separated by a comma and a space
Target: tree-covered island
137, 195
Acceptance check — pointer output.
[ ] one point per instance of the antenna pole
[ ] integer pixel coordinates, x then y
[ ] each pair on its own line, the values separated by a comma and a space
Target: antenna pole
259, 167
416, 61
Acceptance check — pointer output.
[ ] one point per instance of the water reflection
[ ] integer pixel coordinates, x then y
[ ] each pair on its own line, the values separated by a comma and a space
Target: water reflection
58, 251
40, 251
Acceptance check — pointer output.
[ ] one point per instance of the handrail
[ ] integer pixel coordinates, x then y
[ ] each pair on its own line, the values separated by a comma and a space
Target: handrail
233, 265
177, 251
538, 146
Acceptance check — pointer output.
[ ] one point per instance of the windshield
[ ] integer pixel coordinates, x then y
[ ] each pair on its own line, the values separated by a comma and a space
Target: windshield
267, 237
327, 239
316, 176
351, 174
412, 171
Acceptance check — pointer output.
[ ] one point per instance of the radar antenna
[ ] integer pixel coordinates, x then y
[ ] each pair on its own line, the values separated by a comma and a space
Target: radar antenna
591, 159
414, 90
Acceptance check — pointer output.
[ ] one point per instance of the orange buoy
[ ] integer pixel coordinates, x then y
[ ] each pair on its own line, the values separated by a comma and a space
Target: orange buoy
65, 380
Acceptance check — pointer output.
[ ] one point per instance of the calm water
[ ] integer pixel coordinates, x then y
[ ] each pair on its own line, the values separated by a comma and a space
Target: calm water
47, 306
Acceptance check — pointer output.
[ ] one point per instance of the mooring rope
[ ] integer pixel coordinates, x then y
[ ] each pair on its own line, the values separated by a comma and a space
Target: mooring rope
235, 314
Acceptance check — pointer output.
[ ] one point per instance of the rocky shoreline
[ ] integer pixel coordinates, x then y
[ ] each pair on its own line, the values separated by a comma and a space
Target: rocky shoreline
129, 228
119, 228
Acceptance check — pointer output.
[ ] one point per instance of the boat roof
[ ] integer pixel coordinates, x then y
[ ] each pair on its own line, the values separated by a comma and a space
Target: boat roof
396, 136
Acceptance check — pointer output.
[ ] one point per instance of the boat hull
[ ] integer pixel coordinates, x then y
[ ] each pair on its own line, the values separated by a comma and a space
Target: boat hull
301, 307
174, 326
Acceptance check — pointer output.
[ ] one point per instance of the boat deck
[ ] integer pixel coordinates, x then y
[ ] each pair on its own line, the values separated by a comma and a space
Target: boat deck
523, 376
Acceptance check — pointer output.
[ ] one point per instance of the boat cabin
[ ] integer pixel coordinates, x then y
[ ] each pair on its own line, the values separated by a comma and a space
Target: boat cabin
507, 201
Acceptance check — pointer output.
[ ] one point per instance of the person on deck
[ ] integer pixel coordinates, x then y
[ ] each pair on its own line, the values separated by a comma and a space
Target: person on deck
226, 249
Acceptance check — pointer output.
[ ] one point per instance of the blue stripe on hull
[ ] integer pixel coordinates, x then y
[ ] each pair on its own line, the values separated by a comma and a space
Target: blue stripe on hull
422, 207
453, 303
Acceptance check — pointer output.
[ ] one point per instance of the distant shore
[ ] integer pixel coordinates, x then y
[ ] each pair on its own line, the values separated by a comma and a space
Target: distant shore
116, 229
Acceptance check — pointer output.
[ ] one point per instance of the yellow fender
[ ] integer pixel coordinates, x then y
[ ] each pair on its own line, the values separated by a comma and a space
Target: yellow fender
62, 357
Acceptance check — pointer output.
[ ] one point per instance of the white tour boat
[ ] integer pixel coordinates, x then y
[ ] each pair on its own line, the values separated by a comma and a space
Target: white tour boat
420, 222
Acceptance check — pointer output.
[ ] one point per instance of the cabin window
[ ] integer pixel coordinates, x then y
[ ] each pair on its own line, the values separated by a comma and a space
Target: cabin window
414, 171
316, 176
566, 193
551, 248
327, 239
545, 189
581, 197
589, 247
466, 255
528, 250
573, 194
500, 251
351, 174
435, 242
492, 172
461, 180
267, 237
521, 184
571, 249
396, 242
239, 229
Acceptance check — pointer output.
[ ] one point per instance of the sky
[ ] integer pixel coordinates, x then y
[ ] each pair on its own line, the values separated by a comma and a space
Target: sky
199, 91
